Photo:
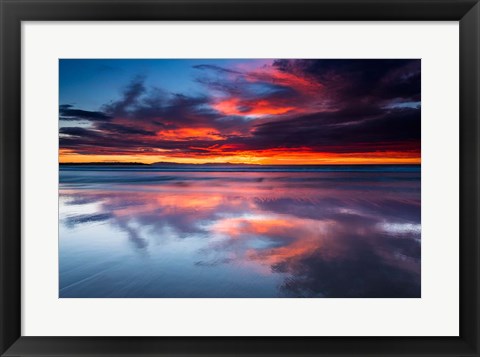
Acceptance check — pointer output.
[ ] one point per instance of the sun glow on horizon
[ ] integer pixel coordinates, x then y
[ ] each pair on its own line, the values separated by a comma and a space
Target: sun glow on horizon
284, 158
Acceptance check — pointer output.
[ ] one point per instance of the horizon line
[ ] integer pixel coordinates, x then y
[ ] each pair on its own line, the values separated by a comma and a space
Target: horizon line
234, 164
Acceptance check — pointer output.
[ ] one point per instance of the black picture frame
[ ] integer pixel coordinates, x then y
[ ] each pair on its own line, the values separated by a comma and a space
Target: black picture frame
13, 12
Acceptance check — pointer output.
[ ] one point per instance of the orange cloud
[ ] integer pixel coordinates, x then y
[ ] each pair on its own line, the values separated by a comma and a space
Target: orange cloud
234, 106
185, 134
272, 75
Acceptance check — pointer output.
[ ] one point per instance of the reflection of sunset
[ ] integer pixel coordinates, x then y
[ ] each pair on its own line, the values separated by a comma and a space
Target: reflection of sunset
172, 203
300, 235
187, 201
309, 229
235, 227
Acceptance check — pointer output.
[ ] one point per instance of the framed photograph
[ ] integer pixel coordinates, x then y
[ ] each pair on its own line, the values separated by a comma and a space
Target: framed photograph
239, 178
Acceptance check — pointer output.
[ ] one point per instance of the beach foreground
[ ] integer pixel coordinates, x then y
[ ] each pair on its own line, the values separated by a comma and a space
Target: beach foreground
344, 232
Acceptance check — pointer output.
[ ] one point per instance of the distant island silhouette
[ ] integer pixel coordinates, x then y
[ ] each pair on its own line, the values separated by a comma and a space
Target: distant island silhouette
212, 164
160, 163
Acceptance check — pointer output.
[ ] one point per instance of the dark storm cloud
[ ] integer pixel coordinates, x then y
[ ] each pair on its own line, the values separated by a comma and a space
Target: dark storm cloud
87, 140
384, 78
78, 131
339, 132
155, 108
67, 113
129, 98
121, 129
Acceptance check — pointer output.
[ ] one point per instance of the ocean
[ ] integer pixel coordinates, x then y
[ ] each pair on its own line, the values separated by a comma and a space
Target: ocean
239, 231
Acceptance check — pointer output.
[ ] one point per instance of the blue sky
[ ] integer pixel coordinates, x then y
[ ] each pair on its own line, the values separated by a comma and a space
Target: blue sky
91, 83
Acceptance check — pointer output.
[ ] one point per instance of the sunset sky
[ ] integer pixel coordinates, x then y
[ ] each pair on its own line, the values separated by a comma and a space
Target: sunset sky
255, 111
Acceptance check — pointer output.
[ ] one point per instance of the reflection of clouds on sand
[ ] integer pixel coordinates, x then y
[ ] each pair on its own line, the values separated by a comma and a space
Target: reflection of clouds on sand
323, 238
345, 257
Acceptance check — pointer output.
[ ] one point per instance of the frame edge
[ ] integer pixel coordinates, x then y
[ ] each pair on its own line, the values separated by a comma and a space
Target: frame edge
470, 177
10, 174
